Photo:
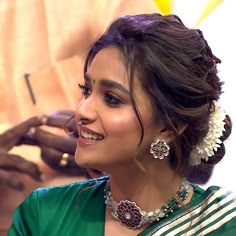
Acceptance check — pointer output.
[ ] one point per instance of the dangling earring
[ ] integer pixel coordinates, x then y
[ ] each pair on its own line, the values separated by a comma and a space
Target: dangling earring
159, 149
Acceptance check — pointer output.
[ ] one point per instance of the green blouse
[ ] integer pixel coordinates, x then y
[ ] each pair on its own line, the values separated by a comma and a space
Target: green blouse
79, 209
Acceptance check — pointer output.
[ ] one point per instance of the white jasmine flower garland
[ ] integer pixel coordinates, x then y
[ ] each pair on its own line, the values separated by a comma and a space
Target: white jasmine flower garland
211, 142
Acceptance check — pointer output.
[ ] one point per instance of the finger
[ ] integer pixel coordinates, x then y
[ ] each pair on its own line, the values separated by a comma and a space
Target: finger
60, 143
8, 179
17, 163
53, 158
57, 121
60, 118
63, 112
64, 119
27, 139
10, 137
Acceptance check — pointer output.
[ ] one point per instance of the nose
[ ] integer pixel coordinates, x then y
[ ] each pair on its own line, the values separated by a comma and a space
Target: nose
86, 110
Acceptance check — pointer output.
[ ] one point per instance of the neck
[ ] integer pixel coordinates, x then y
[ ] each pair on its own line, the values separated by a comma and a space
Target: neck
149, 190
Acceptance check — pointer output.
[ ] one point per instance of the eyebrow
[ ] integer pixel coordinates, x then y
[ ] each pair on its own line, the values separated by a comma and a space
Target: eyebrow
109, 84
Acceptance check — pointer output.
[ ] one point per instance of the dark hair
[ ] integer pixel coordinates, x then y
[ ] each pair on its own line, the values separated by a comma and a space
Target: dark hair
177, 70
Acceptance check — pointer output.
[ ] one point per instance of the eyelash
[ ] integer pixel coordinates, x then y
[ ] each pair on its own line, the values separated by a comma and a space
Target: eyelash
85, 90
109, 99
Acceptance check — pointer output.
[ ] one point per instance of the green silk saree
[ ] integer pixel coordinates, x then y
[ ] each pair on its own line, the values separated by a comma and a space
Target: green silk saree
79, 209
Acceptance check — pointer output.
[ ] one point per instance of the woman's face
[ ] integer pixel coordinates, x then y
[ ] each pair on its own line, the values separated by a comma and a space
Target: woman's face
108, 128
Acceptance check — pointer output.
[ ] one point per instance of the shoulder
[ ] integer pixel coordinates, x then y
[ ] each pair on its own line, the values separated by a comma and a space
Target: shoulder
214, 195
215, 210
53, 209
66, 196
70, 190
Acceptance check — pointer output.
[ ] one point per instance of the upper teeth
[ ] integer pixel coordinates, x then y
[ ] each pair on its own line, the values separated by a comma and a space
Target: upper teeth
91, 136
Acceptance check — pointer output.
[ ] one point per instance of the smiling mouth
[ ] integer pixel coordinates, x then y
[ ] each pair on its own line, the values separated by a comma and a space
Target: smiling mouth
91, 137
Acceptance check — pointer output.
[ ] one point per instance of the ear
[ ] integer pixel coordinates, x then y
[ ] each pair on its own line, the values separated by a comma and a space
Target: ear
169, 135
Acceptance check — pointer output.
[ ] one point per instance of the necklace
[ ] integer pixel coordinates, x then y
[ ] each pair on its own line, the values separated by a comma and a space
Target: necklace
130, 214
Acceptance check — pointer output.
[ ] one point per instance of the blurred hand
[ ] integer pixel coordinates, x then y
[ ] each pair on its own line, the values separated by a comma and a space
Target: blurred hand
12, 162
57, 151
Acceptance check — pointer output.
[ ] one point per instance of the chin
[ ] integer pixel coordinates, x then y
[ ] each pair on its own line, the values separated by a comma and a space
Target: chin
87, 159
82, 163
85, 162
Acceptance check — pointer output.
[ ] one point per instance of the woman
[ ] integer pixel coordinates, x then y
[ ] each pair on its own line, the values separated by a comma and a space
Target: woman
149, 118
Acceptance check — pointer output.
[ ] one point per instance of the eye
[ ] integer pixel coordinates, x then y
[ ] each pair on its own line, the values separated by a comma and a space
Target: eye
86, 91
111, 100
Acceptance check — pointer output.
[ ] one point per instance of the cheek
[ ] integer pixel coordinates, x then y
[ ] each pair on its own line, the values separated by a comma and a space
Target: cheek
121, 123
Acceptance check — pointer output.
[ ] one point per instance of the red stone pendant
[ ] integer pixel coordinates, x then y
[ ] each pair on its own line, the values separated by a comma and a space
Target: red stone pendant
129, 214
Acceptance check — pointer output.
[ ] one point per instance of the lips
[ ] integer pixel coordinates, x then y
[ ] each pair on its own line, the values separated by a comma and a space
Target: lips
88, 136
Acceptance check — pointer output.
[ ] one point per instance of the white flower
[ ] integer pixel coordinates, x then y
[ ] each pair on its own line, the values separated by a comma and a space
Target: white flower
211, 142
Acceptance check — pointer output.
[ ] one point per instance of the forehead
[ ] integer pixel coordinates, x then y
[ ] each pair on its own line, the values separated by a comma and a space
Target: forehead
109, 63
